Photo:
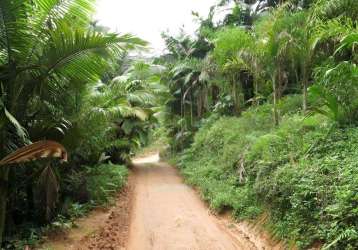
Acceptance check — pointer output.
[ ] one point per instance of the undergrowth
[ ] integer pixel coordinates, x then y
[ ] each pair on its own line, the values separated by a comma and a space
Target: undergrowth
91, 187
303, 173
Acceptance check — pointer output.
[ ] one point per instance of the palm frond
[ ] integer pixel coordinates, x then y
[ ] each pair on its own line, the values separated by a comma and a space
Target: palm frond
141, 98
48, 188
348, 41
37, 150
21, 131
14, 29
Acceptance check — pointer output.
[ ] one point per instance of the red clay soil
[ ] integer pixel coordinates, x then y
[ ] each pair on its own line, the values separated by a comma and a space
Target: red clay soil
101, 229
115, 232
169, 215
158, 211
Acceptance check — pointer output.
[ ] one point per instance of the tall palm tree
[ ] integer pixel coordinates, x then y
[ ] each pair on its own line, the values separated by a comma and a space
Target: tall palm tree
251, 59
230, 43
281, 51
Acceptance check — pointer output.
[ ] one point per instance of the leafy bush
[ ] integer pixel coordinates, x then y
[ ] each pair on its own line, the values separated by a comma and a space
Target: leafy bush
303, 173
105, 180
91, 186
336, 92
83, 189
315, 199
214, 159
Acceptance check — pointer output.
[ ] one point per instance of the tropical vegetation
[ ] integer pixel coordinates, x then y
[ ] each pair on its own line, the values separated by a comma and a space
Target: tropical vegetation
58, 77
263, 115
259, 109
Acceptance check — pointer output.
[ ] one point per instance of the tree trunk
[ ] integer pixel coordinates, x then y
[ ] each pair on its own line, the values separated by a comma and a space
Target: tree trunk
234, 94
191, 110
205, 100
275, 99
304, 102
256, 90
30, 195
304, 90
4, 177
215, 94
182, 109
199, 104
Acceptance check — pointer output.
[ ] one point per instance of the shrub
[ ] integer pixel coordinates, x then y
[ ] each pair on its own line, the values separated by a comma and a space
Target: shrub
303, 173
91, 186
105, 180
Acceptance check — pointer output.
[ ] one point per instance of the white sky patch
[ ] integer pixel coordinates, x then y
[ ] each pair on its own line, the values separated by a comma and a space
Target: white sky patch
147, 19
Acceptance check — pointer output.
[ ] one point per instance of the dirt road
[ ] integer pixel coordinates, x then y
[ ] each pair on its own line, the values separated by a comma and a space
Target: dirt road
169, 215
157, 211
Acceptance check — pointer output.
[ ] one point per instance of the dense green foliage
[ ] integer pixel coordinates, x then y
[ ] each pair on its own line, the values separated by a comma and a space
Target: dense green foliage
83, 190
66, 79
96, 184
302, 173
263, 115
260, 105
293, 48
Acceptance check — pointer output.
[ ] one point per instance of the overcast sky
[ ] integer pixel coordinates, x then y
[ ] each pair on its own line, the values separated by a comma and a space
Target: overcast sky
147, 19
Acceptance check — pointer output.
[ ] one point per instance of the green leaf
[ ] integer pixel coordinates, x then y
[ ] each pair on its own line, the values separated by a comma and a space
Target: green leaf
127, 126
21, 131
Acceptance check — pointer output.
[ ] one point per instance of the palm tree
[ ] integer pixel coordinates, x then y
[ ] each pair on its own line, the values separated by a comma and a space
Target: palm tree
305, 49
332, 31
232, 68
129, 104
250, 59
186, 77
45, 47
281, 51
229, 43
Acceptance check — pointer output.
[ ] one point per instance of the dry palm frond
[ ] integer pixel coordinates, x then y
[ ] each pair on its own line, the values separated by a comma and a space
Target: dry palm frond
37, 150
48, 187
